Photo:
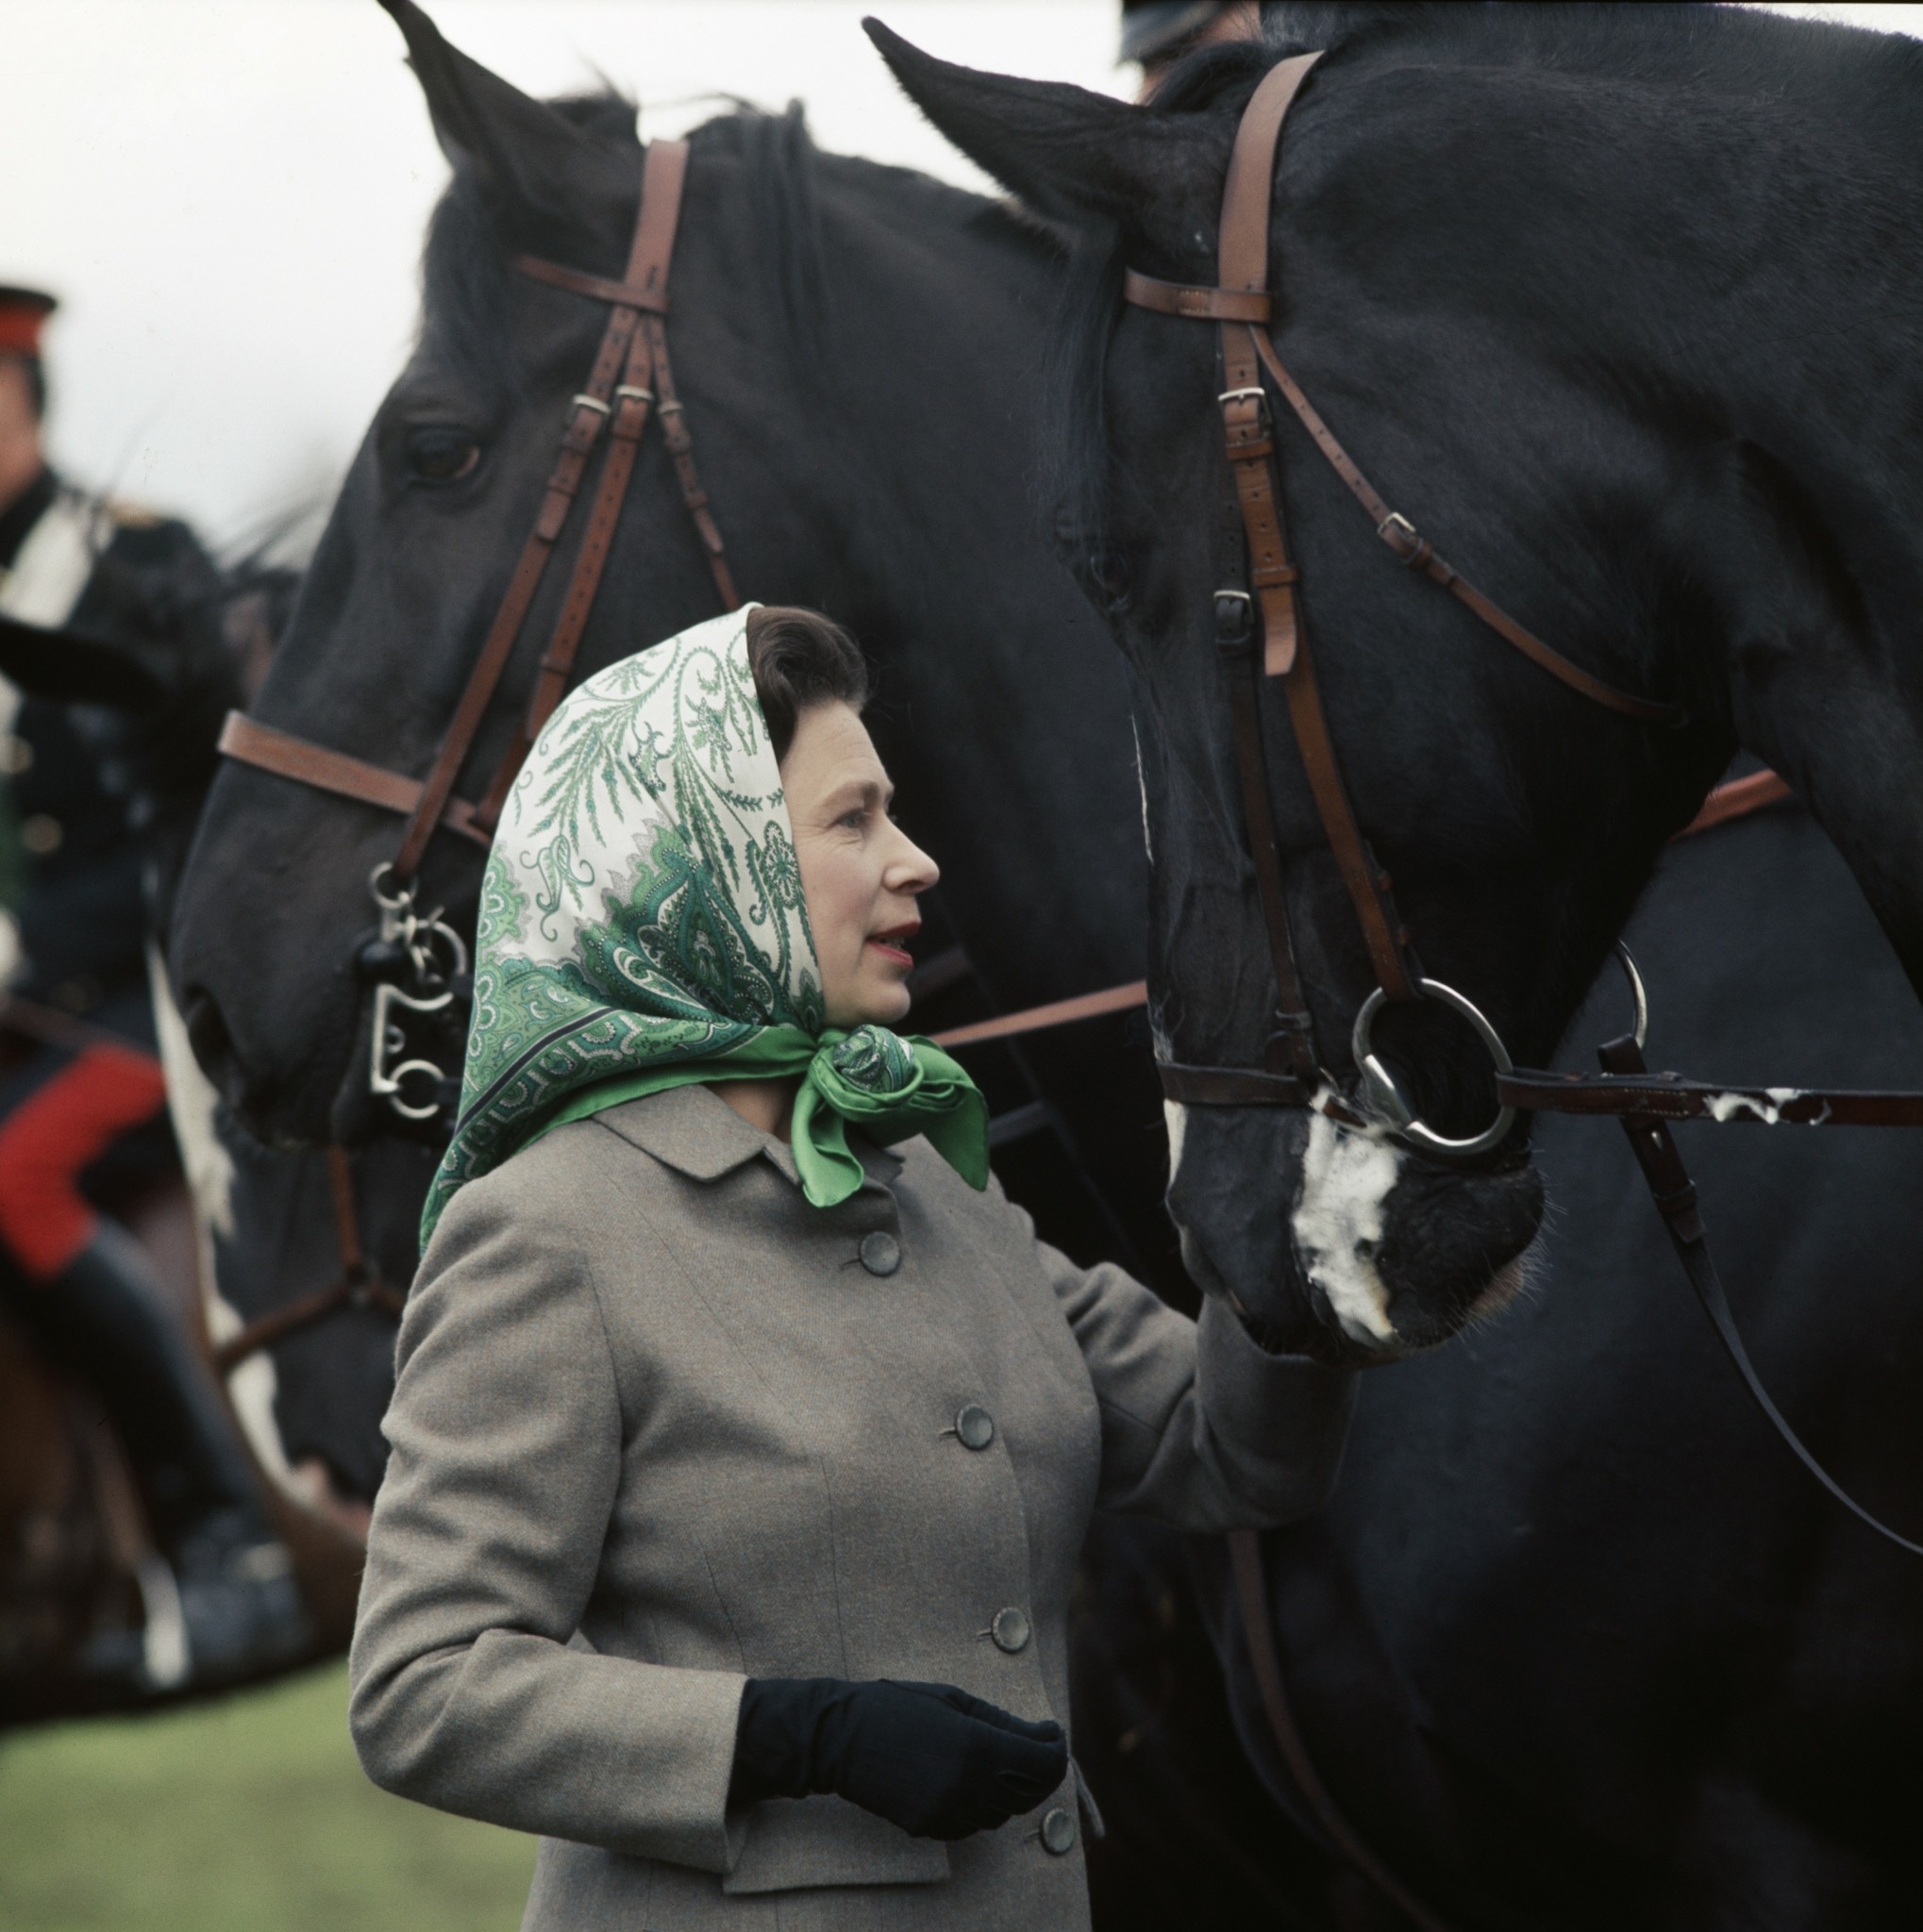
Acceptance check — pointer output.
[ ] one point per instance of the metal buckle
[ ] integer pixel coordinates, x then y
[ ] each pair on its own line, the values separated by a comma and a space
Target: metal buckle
1392, 1104
632, 392
1233, 608
1409, 546
436, 955
1235, 396
584, 401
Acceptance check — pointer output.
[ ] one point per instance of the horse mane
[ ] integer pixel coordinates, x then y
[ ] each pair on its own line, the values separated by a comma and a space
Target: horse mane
465, 277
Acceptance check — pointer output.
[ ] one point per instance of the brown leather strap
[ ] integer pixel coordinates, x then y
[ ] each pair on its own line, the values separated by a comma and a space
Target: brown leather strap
1249, 445
1737, 798
1114, 999
1201, 304
596, 288
1417, 553
248, 742
346, 1219
1230, 1087
664, 175
1257, 1631
681, 447
1242, 267
1675, 1195
1243, 295
273, 1327
359, 1286
1242, 257
663, 172
1289, 1049
1669, 1097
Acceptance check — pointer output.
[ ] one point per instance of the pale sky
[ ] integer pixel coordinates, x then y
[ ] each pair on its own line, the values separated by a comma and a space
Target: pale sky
230, 195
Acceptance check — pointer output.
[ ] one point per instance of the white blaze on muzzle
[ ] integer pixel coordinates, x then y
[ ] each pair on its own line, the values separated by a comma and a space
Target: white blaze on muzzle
1347, 1175
1177, 1117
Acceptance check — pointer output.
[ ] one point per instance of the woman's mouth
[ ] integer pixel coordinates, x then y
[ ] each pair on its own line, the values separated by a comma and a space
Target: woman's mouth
893, 944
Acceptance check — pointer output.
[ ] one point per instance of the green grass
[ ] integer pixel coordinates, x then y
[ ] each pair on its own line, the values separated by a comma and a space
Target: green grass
248, 1815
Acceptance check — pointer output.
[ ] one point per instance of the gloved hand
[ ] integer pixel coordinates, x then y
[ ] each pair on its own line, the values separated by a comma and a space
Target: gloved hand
926, 1757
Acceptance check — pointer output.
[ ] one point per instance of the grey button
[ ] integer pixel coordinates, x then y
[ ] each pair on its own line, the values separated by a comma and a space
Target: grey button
974, 1425
881, 1253
1057, 1831
1009, 1631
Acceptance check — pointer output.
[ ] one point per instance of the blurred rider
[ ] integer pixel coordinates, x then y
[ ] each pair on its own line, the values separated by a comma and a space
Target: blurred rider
82, 1099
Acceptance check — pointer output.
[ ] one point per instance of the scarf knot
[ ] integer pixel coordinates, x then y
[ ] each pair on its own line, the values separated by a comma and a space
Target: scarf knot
891, 1088
642, 926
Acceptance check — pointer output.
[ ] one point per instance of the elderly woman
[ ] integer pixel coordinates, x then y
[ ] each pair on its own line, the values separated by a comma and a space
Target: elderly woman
745, 1437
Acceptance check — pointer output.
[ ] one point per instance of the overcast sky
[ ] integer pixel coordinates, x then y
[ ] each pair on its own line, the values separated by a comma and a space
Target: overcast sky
229, 195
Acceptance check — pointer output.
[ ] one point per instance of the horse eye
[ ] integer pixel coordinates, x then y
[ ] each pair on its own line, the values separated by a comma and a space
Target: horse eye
1107, 571
440, 455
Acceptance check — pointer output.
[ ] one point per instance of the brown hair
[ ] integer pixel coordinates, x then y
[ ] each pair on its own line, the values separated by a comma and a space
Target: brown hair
799, 659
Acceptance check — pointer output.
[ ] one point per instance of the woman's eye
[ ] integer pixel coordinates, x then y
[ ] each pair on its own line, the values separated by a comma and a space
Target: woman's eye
440, 455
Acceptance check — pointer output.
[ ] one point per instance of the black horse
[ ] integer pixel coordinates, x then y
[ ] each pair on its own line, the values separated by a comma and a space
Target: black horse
891, 318
941, 299
1563, 279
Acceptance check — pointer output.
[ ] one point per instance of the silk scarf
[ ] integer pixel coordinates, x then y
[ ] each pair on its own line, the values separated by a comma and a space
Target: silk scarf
641, 926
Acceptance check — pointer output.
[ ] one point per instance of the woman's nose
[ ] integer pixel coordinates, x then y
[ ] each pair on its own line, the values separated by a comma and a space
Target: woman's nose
911, 870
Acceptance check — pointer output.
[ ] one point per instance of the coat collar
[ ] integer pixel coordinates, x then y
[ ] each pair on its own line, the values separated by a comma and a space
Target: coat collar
697, 1133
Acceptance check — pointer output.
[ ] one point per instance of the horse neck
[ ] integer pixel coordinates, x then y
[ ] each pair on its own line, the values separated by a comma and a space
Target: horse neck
1652, 269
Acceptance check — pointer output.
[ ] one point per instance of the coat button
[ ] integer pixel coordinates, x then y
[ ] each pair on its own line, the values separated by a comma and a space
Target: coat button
1057, 1831
1009, 1631
974, 1425
881, 1253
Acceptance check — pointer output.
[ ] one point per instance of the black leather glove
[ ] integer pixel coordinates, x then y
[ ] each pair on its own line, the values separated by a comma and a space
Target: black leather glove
926, 1757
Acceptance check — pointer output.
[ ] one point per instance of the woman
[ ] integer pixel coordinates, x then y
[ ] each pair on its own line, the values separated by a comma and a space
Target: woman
744, 1437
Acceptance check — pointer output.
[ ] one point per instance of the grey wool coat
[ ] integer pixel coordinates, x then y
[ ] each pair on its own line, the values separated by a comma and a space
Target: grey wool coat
661, 1425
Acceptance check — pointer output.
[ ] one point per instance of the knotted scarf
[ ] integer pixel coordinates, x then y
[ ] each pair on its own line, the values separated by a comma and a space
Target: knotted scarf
641, 926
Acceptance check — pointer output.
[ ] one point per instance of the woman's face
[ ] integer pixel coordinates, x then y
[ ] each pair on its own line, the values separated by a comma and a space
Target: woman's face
861, 873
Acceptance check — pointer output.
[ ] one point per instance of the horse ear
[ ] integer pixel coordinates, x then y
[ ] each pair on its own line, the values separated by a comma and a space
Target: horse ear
531, 162
1072, 156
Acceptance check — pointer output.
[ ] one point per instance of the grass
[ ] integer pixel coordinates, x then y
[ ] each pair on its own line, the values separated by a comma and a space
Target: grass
248, 1815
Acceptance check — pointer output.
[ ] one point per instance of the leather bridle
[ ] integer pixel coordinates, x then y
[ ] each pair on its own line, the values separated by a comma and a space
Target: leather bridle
1259, 581
1256, 579
418, 963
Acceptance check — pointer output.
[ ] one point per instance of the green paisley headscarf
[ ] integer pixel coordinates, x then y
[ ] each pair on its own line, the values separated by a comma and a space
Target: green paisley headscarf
641, 926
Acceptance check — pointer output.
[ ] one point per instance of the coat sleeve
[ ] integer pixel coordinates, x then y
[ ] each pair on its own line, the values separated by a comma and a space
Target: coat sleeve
1202, 1428
507, 1431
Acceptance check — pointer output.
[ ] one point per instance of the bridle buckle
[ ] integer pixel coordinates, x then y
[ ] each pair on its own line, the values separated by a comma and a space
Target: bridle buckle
1234, 620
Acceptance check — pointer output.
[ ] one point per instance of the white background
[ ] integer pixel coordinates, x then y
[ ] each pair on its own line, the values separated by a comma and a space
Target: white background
230, 195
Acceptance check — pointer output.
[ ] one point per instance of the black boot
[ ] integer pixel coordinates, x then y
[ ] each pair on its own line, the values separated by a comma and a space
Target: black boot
223, 1604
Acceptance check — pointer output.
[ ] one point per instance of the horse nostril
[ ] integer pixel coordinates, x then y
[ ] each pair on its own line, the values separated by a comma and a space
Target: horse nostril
206, 1033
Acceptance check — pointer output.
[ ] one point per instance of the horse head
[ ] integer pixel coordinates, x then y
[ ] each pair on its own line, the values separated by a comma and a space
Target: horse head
1554, 277
854, 347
